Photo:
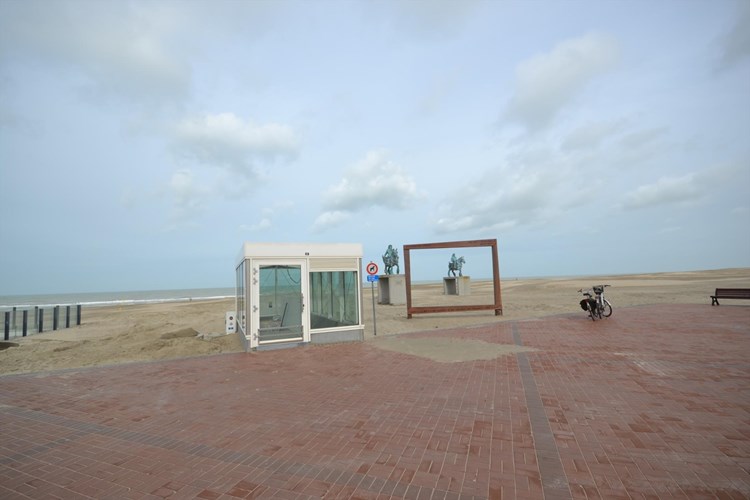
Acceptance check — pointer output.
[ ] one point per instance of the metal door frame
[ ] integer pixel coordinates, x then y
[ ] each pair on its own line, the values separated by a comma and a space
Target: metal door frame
254, 303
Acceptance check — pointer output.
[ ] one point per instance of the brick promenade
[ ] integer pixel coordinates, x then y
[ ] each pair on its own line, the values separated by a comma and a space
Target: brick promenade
653, 402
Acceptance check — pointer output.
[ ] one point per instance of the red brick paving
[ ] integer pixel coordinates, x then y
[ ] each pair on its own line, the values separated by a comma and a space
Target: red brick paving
653, 402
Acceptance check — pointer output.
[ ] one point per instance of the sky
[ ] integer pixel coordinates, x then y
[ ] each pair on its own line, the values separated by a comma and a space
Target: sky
141, 143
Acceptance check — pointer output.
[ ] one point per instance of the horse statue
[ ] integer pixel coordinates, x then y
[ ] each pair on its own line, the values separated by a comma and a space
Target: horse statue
455, 265
390, 259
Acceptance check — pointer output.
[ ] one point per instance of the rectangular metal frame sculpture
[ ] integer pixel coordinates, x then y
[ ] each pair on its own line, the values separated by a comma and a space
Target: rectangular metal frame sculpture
497, 306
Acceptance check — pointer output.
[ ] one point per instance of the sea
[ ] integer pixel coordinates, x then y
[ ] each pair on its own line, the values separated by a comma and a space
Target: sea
93, 299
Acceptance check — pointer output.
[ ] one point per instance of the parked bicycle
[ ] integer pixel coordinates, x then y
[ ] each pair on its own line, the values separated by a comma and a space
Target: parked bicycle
595, 303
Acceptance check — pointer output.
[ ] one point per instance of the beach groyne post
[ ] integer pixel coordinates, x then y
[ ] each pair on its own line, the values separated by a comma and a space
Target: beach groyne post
7, 325
55, 317
36, 316
67, 316
78, 315
25, 321
41, 320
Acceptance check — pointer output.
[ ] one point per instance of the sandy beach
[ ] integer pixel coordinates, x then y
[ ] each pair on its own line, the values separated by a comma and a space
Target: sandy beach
112, 335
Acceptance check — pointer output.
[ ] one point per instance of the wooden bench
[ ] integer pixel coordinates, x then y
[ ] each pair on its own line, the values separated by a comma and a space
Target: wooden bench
729, 293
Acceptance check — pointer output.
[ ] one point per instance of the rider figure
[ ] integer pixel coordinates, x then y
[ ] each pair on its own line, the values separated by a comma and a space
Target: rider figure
455, 265
390, 258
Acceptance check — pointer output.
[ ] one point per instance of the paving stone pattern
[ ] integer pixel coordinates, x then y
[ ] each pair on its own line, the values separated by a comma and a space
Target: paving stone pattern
653, 402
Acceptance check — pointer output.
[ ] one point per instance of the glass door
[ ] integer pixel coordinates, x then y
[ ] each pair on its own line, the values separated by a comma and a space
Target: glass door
280, 302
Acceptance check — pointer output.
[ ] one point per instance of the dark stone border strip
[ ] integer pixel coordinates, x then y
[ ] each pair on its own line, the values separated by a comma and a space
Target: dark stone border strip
554, 480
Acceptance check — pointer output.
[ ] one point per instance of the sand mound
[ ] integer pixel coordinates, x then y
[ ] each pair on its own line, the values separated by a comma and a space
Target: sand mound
447, 350
180, 334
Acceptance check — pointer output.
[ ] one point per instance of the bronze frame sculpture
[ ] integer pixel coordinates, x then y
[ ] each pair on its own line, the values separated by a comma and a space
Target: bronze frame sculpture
497, 306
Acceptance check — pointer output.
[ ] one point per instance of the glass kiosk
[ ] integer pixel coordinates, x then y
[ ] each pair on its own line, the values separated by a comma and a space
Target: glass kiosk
290, 294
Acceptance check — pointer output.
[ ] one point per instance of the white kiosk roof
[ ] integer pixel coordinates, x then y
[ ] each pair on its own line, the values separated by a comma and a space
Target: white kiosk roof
256, 250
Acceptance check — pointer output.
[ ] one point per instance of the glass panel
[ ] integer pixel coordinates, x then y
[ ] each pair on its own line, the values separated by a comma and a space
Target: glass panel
280, 303
240, 313
334, 299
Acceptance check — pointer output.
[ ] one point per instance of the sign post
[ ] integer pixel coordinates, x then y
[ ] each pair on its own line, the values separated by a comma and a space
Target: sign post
372, 271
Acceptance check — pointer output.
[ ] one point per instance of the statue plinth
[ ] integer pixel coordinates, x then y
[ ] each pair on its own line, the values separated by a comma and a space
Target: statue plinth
457, 285
392, 289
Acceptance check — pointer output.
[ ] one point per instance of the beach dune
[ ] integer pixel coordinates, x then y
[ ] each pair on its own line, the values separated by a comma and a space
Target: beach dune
122, 334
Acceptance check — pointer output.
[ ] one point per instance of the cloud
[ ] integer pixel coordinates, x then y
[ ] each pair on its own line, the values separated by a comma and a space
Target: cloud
188, 197
373, 182
117, 46
546, 83
592, 135
267, 216
497, 201
507, 197
436, 19
666, 190
264, 223
726, 182
643, 138
231, 152
330, 219
475, 222
18, 123
225, 140
735, 45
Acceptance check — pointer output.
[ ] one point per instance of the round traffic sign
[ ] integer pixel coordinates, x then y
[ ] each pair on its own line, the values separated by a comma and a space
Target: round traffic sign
372, 268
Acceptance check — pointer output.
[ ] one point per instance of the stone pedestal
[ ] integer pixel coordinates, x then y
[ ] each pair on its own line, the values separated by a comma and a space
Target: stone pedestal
457, 285
392, 289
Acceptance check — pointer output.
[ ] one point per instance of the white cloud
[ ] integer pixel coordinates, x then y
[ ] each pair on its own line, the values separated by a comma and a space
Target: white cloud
264, 223
122, 54
330, 219
476, 222
373, 182
510, 196
188, 197
666, 190
483, 206
225, 140
267, 216
546, 83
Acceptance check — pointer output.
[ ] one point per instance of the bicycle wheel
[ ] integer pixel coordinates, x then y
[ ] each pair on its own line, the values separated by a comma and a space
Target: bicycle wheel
607, 308
592, 312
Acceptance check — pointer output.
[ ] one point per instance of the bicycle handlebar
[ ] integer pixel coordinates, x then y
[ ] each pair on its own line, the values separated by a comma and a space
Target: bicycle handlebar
580, 290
